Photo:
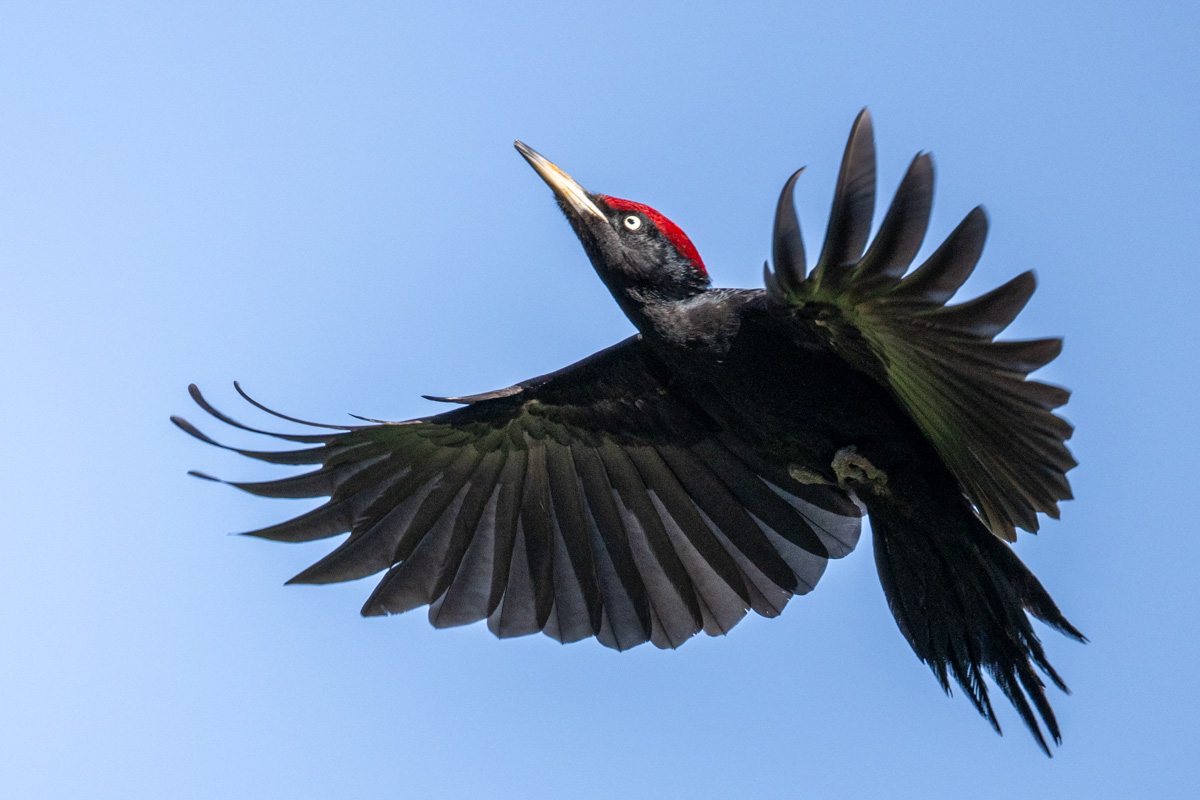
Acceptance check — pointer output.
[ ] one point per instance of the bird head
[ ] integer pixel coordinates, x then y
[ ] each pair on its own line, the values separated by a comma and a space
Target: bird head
640, 255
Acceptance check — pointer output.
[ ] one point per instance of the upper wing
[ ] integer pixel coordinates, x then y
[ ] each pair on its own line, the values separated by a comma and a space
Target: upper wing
592, 501
995, 430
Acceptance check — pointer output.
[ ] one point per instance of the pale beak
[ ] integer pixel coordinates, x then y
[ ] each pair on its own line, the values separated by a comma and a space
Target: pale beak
563, 184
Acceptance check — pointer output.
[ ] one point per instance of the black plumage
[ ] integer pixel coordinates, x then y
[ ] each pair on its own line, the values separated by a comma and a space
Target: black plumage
714, 462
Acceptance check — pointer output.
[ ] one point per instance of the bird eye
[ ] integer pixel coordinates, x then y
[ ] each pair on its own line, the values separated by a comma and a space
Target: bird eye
633, 222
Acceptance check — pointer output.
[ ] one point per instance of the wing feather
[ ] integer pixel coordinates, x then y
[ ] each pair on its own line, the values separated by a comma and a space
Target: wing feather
853, 207
622, 585
970, 395
595, 501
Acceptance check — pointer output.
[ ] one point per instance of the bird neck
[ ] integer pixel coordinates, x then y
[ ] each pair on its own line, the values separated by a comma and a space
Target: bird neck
700, 318
649, 309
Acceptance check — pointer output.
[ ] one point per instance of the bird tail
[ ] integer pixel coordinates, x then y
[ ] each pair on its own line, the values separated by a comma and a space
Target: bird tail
960, 596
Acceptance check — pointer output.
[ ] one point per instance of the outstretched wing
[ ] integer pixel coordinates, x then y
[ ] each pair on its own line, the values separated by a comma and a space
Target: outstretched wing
594, 501
969, 394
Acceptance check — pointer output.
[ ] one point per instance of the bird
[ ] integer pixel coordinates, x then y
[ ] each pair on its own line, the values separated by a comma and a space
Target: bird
714, 462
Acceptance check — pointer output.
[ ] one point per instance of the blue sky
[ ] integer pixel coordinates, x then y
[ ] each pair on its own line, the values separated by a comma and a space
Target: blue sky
322, 202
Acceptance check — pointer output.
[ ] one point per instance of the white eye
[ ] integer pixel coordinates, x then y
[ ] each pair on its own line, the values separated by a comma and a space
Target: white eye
633, 222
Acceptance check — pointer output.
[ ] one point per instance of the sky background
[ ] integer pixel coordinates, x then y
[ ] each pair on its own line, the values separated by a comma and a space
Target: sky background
322, 202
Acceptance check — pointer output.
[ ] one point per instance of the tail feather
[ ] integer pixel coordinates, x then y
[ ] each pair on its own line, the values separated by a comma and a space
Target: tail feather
963, 600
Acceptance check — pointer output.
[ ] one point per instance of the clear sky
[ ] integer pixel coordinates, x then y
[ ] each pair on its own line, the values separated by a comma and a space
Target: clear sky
322, 201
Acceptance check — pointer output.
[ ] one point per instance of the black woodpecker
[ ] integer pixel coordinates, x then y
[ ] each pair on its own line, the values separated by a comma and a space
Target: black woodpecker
713, 462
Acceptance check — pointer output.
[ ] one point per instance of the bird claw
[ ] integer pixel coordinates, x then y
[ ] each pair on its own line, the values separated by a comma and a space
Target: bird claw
854, 471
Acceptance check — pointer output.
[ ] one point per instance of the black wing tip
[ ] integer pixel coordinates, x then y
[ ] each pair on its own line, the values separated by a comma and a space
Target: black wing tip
195, 433
468, 399
438, 399
788, 193
237, 386
862, 132
376, 421
849, 227
198, 396
1054, 348
188, 428
787, 242
979, 217
372, 608
923, 163
203, 476
922, 160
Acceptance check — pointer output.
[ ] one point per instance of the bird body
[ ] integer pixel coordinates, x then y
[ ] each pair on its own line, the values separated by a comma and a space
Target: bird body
715, 461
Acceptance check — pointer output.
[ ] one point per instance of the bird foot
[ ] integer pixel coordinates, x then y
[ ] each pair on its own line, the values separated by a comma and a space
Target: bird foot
808, 476
855, 471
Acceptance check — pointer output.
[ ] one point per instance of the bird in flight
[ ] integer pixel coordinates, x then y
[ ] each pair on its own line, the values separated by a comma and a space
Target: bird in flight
713, 462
